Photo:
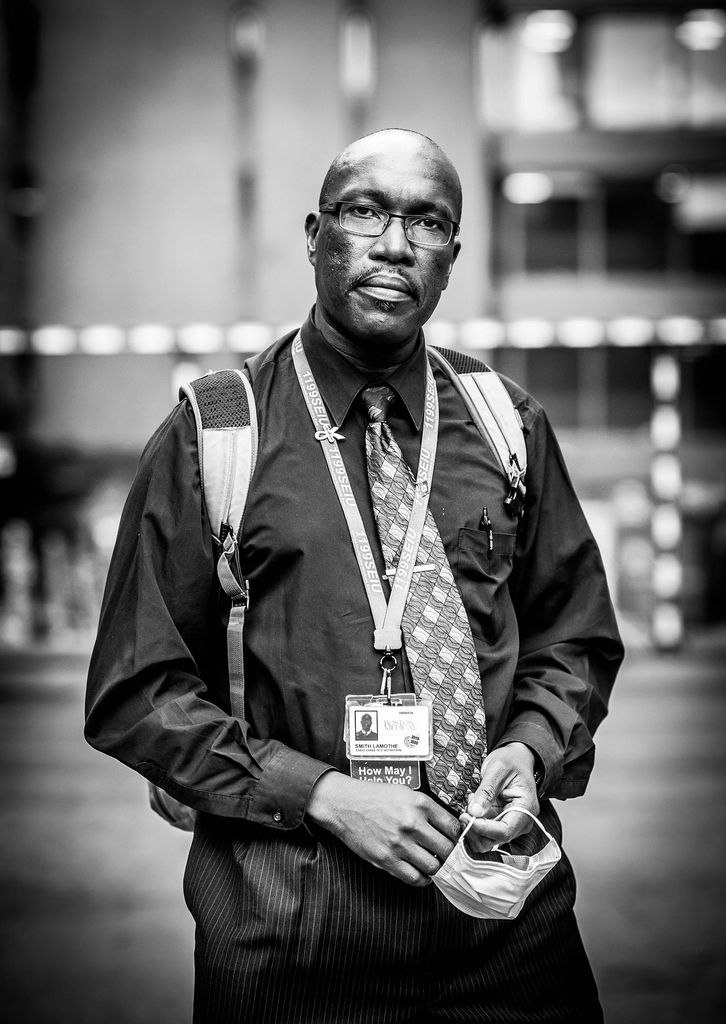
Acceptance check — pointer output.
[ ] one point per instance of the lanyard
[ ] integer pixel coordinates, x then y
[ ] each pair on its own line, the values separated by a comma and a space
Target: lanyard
387, 615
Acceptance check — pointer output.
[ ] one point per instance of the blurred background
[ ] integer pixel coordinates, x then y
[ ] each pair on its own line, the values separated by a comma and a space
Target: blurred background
157, 160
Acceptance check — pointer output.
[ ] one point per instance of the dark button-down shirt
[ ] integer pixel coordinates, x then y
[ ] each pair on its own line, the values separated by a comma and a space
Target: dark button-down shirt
538, 605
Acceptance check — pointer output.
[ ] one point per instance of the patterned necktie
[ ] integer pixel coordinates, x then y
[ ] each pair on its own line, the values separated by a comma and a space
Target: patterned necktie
437, 634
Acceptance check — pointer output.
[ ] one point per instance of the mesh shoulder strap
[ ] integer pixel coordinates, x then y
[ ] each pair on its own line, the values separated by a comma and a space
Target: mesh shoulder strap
226, 418
493, 412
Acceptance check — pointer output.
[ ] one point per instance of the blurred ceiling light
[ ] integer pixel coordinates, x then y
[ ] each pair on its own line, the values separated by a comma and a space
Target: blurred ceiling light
665, 379
667, 576
702, 29
630, 331
151, 339
680, 330
249, 337
703, 206
246, 35
200, 338
531, 332
53, 340
101, 339
666, 527
357, 55
581, 332
482, 333
12, 341
525, 187
667, 626
665, 476
665, 428
548, 31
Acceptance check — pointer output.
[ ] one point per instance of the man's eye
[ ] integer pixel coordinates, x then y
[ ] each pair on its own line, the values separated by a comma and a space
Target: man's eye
430, 224
363, 212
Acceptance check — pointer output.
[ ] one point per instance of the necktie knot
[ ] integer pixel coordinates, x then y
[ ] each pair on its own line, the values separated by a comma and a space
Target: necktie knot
377, 399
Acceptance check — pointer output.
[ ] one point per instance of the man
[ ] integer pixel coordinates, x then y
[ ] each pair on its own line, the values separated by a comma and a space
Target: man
366, 730
310, 887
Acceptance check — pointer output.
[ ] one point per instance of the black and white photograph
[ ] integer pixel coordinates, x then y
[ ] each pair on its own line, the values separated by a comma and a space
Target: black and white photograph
362, 373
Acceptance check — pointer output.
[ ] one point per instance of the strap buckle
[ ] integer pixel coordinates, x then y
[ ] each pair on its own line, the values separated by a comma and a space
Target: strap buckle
242, 600
237, 586
514, 501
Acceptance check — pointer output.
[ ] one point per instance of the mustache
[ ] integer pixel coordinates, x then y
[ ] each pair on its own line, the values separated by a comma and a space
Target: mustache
398, 276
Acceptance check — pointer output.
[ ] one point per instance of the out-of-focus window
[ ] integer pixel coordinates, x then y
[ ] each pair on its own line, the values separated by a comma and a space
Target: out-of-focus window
552, 235
636, 227
628, 387
618, 70
547, 221
574, 221
357, 55
697, 208
701, 35
528, 73
553, 379
703, 375
632, 78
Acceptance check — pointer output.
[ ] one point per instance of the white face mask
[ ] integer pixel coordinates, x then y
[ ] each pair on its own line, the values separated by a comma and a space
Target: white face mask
489, 889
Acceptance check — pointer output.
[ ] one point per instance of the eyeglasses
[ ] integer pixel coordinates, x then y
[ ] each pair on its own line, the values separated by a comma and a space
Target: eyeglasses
420, 229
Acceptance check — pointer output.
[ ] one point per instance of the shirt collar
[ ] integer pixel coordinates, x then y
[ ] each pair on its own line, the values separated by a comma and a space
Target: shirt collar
340, 381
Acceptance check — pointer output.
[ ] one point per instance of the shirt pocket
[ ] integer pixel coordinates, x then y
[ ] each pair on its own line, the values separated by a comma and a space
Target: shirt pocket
482, 575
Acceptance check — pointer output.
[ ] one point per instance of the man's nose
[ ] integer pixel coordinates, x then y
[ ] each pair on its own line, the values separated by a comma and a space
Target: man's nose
393, 244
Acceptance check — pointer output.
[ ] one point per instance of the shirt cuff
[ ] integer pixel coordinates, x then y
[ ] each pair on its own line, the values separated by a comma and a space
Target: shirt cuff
282, 792
532, 729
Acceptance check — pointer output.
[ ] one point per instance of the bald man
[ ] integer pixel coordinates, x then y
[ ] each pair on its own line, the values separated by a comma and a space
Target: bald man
309, 875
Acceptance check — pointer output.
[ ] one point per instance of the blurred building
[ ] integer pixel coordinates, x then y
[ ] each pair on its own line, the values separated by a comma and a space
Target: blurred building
159, 157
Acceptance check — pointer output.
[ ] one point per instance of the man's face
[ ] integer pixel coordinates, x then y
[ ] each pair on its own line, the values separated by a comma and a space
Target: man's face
366, 722
382, 289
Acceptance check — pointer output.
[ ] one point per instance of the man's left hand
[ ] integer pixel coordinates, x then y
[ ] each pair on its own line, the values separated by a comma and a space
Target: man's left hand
507, 782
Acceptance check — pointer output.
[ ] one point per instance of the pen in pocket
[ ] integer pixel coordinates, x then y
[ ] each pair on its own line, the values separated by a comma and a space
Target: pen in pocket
485, 523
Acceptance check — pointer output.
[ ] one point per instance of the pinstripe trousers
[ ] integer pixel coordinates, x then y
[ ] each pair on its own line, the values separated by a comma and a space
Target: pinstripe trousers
293, 928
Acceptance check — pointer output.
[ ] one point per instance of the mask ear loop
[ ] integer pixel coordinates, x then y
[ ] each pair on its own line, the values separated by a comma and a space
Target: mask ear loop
508, 810
523, 810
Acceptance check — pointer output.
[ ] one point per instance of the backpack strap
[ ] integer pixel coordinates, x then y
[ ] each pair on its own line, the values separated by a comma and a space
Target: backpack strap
494, 414
226, 417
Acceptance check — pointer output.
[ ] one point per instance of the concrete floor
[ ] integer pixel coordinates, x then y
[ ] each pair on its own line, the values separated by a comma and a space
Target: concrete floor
94, 928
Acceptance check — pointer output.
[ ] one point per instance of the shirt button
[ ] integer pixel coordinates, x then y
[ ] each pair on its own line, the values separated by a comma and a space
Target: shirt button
277, 816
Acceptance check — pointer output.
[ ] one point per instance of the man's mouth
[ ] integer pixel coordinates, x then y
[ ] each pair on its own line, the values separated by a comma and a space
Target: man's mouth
387, 287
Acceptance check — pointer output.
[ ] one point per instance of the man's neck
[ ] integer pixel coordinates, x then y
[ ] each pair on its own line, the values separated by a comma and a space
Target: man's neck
382, 357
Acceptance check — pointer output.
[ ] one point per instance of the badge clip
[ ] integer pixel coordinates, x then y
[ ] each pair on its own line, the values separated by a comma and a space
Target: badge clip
388, 663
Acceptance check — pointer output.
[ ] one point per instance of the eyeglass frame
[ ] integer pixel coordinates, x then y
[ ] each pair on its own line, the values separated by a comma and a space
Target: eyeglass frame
337, 208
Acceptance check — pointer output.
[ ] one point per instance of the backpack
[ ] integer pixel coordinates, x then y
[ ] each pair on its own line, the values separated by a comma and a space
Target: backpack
226, 419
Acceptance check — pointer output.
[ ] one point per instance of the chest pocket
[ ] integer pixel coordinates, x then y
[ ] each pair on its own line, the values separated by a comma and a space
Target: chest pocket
482, 576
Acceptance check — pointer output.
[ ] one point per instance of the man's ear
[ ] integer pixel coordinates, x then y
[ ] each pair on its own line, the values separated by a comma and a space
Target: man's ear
454, 254
312, 226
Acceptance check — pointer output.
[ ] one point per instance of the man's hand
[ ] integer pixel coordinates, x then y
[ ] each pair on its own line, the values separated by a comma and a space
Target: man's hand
507, 781
397, 829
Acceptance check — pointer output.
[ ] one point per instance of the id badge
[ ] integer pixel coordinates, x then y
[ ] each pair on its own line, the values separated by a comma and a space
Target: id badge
399, 729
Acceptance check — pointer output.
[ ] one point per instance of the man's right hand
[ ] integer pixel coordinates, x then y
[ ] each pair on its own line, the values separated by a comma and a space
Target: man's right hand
395, 828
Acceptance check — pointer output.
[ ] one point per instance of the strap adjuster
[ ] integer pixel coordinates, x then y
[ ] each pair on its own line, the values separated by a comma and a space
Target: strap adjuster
242, 600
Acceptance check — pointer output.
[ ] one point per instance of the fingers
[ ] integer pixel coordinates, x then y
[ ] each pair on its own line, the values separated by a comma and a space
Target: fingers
507, 778
396, 829
485, 833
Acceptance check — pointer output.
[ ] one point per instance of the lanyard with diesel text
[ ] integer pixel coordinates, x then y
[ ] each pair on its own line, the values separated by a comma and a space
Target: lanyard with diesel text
387, 615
